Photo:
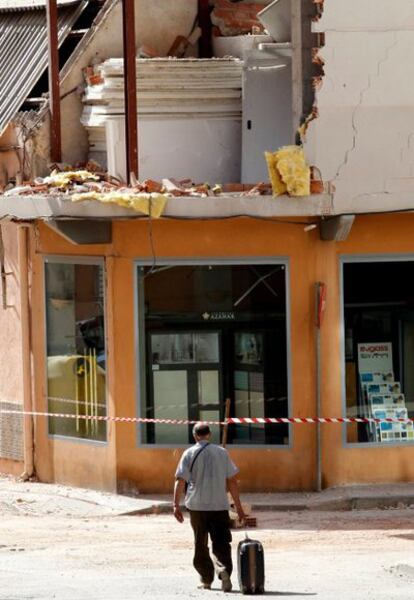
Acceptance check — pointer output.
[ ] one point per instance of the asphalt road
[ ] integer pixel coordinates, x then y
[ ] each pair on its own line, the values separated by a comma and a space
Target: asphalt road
327, 556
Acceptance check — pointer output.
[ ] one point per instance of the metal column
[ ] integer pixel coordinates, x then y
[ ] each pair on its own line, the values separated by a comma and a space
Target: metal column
320, 302
54, 83
204, 21
130, 87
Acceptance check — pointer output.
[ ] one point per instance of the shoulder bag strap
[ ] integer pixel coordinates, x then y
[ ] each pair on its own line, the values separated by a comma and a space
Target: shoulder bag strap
196, 456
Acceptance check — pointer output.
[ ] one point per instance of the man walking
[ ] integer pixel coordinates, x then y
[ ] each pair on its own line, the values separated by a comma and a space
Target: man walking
210, 474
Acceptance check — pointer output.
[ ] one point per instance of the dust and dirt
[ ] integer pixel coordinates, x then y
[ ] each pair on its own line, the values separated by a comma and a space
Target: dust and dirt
89, 554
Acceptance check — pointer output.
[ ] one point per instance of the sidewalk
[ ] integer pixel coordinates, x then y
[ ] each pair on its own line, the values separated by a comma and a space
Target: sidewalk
366, 497
41, 498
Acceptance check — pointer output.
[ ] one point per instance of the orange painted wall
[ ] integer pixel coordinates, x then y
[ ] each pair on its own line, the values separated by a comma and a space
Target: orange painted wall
66, 461
121, 463
384, 234
12, 467
11, 383
151, 470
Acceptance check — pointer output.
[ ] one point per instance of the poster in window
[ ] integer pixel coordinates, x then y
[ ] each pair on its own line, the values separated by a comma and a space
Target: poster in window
375, 357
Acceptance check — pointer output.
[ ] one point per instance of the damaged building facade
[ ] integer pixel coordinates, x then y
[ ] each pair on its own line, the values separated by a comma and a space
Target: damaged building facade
288, 306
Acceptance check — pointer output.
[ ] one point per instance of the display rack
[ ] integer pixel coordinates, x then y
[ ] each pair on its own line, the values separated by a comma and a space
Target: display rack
382, 398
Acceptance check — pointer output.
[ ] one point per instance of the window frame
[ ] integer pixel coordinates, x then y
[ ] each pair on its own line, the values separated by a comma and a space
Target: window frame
74, 260
349, 259
140, 339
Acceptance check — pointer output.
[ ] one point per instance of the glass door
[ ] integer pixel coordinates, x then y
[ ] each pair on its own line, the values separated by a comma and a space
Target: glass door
258, 383
249, 399
185, 382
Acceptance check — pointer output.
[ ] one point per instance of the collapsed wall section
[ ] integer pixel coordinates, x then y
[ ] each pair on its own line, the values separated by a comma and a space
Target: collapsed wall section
236, 18
312, 62
158, 23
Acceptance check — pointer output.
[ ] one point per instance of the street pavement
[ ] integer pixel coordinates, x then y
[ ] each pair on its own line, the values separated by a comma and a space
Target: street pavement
64, 543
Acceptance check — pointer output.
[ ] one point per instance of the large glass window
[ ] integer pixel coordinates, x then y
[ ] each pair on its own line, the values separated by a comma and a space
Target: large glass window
379, 349
75, 348
210, 333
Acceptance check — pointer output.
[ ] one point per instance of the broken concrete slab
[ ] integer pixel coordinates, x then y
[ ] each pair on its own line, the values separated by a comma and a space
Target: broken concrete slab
227, 205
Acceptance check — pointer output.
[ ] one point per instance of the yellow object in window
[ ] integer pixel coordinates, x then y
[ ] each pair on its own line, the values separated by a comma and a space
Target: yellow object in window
289, 172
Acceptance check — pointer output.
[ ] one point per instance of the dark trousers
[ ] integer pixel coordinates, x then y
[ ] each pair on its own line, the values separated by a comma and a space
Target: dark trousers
215, 524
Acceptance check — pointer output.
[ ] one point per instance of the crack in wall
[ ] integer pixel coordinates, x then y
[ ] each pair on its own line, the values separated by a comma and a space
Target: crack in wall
407, 149
363, 92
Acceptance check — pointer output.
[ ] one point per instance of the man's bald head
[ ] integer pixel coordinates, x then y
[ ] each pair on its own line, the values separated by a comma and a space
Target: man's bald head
201, 431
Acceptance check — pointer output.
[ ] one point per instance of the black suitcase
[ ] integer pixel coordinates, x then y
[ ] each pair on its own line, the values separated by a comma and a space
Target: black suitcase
250, 560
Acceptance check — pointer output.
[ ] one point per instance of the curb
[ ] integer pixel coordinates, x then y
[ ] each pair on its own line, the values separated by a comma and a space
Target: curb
335, 505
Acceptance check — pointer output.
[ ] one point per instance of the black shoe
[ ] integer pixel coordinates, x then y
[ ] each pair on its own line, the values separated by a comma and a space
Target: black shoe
226, 584
204, 586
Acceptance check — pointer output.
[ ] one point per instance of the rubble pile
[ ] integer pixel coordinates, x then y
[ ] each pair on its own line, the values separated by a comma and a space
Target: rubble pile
148, 197
79, 182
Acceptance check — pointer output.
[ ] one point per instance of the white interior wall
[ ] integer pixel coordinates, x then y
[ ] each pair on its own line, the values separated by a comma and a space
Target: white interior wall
363, 140
158, 23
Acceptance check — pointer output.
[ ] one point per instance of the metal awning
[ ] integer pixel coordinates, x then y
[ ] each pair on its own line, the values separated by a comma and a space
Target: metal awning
24, 51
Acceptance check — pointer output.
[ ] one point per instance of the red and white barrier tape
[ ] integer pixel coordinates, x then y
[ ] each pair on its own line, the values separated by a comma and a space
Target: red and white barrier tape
230, 421
274, 420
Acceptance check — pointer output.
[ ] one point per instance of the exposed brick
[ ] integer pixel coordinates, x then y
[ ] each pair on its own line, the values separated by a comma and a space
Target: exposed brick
230, 188
236, 19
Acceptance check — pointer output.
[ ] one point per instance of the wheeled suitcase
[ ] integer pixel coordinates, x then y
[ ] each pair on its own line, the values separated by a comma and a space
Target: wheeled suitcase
250, 560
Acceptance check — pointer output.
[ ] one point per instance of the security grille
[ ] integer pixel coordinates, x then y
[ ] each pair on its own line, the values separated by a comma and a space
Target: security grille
11, 432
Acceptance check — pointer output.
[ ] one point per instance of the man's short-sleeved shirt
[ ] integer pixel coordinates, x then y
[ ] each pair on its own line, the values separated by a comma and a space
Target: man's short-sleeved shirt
207, 482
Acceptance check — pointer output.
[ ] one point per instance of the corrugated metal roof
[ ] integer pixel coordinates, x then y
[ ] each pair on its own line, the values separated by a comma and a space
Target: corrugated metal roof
24, 53
14, 5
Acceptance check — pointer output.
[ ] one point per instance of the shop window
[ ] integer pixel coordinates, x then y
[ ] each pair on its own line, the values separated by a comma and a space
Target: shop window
379, 349
76, 370
208, 333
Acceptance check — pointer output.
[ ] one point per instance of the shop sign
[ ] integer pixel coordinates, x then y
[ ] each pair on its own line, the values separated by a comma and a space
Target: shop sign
219, 316
375, 357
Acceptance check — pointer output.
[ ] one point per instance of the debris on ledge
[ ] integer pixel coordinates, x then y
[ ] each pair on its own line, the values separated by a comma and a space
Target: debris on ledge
148, 197
290, 175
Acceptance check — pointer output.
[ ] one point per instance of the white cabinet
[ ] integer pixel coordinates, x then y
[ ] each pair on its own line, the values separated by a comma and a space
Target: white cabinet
267, 107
